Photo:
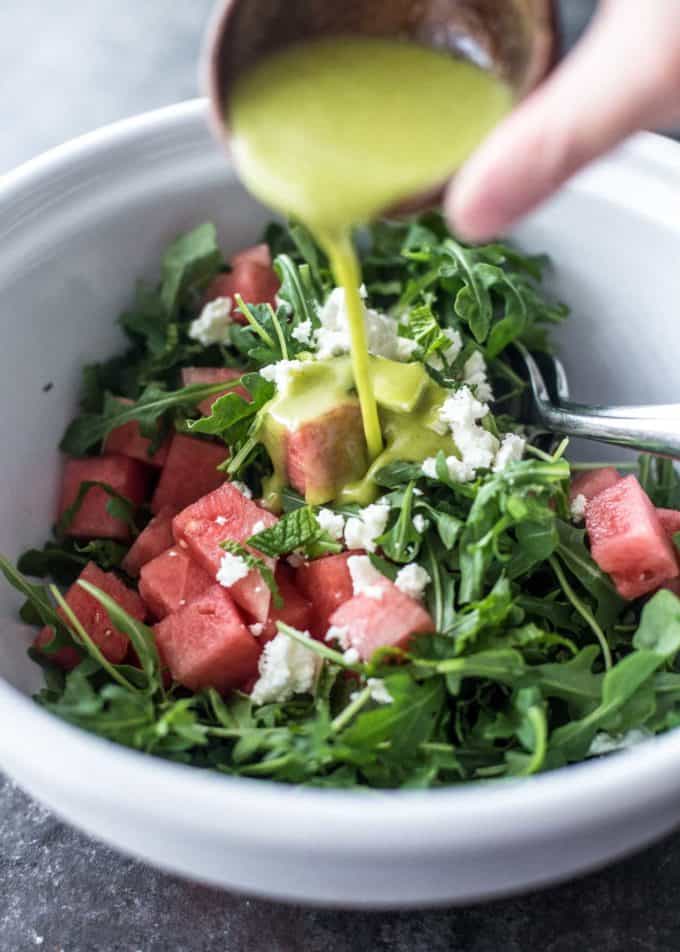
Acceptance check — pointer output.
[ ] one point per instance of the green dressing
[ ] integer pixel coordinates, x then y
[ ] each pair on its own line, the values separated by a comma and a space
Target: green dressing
333, 132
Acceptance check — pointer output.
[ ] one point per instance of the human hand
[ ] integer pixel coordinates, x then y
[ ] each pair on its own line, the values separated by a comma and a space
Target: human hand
623, 76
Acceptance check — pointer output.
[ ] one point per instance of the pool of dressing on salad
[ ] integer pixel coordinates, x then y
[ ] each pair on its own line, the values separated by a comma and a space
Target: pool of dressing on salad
332, 133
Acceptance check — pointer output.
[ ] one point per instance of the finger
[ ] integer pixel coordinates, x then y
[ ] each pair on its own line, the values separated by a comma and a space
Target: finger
625, 75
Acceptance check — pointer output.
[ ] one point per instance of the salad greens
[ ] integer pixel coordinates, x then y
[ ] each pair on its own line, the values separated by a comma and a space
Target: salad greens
534, 652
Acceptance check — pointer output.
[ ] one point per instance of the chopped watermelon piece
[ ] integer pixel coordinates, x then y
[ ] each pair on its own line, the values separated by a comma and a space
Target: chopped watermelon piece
208, 375
128, 441
251, 276
327, 584
589, 484
171, 581
189, 472
628, 540
112, 643
324, 454
155, 538
670, 520
389, 621
224, 514
126, 476
297, 610
207, 645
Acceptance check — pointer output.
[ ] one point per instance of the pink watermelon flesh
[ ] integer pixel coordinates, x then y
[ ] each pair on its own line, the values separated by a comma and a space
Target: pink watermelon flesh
112, 643
372, 623
670, 520
252, 276
592, 483
126, 476
171, 581
297, 611
226, 514
128, 441
155, 538
327, 584
208, 375
189, 472
324, 454
207, 645
628, 540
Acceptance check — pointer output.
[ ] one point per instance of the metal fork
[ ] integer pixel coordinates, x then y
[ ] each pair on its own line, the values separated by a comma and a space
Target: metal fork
650, 429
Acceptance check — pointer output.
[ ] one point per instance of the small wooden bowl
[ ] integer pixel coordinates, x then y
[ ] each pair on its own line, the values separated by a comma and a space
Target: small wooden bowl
518, 40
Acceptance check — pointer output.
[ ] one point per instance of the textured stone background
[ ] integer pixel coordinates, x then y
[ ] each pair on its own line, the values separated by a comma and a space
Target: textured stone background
68, 66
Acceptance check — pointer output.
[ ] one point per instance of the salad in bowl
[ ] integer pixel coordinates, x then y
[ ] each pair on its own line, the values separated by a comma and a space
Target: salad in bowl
233, 584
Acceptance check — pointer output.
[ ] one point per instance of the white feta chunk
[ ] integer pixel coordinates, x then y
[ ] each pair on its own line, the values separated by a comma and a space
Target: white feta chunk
281, 373
212, 325
242, 488
511, 451
337, 633
419, 523
333, 337
256, 629
303, 332
362, 530
232, 569
351, 656
604, 743
412, 580
332, 523
462, 408
379, 692
366, 579
286, 668
221, 520
578, 508
475, 376
258, 527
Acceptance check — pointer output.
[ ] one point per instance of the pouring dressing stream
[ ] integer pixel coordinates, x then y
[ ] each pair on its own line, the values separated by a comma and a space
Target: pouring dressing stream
334, 131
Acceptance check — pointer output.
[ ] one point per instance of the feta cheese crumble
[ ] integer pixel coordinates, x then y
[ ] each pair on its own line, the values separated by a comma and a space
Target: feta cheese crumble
212, 324
286, 668
333, 523
578, 508
511, 451
258, 527
366, 579
475, 376
379, 692
221, 520
412, 580
351, 656
281, 374
462, 413
333, 337
362, 530
256, 629
232, 569
419, 523
337, 633
449, 354
303, 332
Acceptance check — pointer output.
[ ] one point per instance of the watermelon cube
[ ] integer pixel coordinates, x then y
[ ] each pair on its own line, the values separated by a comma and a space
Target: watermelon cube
190, 472
670, 520
324, 454
171, 581
126, 476
225, 514
251, 276
112, 643
207, 645
208, 375
128, 441
390, 621
327, 584
628, 540
155, 538
297, 610
589, 484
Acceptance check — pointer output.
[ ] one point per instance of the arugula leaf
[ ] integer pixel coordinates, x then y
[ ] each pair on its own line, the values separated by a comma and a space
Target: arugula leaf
231, 411
188, 264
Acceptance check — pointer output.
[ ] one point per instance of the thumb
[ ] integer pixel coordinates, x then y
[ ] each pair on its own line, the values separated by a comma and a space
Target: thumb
624, 75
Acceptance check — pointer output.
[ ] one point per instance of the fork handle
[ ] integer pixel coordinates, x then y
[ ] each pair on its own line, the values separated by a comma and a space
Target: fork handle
653, 434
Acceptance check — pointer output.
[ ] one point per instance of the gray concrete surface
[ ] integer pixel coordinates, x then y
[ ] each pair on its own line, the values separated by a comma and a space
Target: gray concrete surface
66, 67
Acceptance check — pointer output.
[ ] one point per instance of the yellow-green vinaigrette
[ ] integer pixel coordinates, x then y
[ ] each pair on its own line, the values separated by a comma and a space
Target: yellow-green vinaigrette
335, 131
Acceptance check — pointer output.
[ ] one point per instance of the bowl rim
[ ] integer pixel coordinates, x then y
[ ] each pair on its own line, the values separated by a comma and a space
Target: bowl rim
468, 817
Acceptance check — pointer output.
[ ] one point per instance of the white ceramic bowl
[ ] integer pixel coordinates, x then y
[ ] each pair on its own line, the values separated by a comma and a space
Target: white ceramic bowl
77, 227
